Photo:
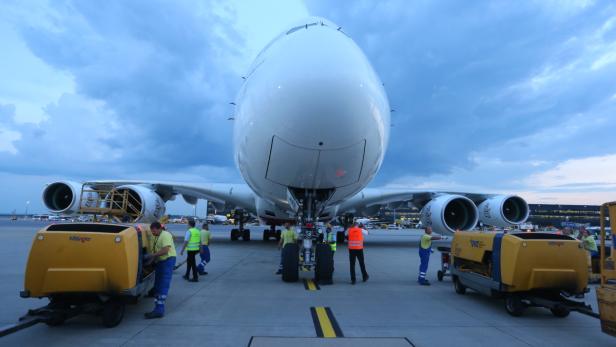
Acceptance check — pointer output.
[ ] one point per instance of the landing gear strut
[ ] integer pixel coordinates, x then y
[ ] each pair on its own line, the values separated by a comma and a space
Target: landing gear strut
240, 217
310, 253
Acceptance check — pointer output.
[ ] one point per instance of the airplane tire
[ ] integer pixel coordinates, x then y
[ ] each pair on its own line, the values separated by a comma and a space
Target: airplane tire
246, 235
290, 262
235, 234
340, 237
324, 268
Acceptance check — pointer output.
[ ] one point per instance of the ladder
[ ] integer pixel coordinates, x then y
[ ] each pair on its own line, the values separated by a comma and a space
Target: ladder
120, 205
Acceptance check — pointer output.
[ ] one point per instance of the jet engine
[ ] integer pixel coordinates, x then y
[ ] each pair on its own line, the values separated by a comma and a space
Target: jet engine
503, 211
448, 213
64, 196
139, 201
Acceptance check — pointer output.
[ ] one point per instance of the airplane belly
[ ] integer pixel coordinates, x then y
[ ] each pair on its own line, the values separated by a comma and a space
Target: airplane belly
294, 166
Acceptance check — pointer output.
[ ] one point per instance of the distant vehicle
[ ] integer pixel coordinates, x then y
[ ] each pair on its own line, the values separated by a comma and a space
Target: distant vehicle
40, 217
217, 219
596, 232
393, 227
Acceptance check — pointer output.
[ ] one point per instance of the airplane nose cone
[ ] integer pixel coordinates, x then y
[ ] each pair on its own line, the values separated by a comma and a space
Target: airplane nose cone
321, 86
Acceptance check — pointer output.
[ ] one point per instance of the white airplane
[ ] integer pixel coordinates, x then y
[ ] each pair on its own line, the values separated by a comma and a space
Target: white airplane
311, 129
216, 219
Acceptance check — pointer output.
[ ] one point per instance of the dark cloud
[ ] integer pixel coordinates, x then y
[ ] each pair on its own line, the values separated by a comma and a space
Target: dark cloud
160, 71
469, 77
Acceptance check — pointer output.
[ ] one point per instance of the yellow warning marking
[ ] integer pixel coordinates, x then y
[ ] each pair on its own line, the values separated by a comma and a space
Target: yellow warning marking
326, 325
311, 285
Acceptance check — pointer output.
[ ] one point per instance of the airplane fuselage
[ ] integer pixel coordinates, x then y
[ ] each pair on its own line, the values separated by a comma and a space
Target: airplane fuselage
312, 114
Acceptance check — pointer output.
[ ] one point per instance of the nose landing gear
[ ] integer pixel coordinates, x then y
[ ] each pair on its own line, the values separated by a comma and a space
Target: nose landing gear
310, 253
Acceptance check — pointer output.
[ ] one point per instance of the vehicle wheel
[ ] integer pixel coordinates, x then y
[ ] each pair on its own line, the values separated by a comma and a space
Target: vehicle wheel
340, 237
234, 234
458, 286
112, 314
439, 275
246, 235
290, 262
56, 319
324, 268
514, 305
278, 233
560, 312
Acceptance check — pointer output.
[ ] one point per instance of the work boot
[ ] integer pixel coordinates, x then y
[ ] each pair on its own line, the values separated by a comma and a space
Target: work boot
365, 279
279, 272
185, 277
157, 312
353, 282
194, 280
424, 282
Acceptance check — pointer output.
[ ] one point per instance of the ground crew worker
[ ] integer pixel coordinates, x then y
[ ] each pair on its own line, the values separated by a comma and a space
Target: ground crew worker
330, 237
425, 248
192, 244
164, 255
589, 242
287, 236
356, 250
205, 248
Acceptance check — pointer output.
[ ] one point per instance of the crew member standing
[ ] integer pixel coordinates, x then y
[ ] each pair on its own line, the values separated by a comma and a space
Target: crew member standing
425, 248
164, 255
287, 236
192, 243
330, 238
205, 248
356, 250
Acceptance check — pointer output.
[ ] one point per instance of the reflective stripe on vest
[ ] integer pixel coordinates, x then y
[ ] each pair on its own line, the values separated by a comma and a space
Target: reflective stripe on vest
195, 239
331, 239
356, 238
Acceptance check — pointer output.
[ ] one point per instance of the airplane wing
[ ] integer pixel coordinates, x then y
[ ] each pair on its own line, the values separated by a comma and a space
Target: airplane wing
239, 195
443, 210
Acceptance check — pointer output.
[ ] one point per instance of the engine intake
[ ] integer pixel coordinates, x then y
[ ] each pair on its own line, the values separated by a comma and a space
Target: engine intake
503, 211
139, 203
448, 213
64, 196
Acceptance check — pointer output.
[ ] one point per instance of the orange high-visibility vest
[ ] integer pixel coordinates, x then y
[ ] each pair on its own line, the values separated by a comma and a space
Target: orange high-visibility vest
356, 238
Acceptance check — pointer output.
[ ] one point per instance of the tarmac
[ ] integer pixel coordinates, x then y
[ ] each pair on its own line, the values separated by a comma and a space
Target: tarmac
241, 302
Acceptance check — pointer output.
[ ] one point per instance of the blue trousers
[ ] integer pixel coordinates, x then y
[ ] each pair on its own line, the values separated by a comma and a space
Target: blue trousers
424, 257
162, 282
205, 258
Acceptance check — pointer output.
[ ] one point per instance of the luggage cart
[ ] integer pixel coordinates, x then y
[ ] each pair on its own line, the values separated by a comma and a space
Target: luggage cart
445, 262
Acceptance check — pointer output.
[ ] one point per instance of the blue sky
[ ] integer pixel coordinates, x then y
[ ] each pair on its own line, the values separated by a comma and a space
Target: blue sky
489, 96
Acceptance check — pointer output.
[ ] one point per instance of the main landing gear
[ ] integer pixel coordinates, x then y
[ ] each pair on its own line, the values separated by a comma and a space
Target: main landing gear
309, 253
240, 217
271, 233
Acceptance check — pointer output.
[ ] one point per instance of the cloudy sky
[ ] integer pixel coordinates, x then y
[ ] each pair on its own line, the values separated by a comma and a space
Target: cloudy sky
494, 96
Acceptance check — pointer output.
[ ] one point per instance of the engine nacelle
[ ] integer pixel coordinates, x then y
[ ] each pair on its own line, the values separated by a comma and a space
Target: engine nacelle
503, 211
142, 200
65, 197
448, 213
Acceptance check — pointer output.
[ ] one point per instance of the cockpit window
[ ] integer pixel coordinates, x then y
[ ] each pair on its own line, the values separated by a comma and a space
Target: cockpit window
300, 27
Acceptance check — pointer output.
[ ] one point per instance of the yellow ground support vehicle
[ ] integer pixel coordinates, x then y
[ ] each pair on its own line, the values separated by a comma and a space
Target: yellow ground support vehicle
606, 293
86, 268
527, 269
